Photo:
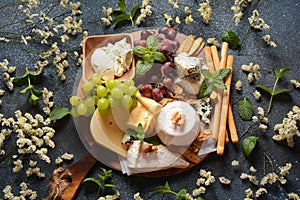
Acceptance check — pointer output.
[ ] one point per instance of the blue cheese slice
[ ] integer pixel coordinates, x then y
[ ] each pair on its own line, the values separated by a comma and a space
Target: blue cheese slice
187, 65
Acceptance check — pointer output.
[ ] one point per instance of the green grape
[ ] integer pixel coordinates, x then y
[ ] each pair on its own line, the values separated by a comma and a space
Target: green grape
101, 91
117, 93
129, 82
82, 109
122, 86
74, 112
126, 101
113, 102
102, 103
90, 111
134, 102
103, 112
96, 79
131, 90
75, 100
90, 101
110, 83
87, 86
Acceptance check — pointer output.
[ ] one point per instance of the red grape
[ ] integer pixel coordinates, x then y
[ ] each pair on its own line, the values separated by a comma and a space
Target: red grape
145, 34
171, 33
140, 43
157, 94
161, 36
146, 90
168, 83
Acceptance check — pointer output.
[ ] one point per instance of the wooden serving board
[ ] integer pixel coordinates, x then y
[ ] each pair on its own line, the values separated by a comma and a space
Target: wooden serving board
89, 45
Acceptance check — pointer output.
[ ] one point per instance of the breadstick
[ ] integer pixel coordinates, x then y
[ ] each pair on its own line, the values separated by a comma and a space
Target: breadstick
225, 104
231, 125
226, 137
208, 59
214, 54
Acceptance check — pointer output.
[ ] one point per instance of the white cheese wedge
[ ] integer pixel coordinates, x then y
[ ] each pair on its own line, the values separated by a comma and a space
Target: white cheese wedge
160, 159
187, 65
113, 59
173, 134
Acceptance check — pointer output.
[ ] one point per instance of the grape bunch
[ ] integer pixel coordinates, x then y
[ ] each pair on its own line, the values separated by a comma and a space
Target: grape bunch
112, 93
157, 91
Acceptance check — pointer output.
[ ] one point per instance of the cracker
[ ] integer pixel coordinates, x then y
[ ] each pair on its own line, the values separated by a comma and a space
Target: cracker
196, 45
186, 44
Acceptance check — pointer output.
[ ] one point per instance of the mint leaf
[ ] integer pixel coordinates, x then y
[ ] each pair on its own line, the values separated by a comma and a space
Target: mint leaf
245, 109
222, 73
141, 133
139, 51
231, 38
281, 72
142, 67
59, 113
163, 189
134, 9
264, 88
121, 5
204, 91
152, 42
93, 180
120, 18
248, 144
181, 195
159, 56
280, 91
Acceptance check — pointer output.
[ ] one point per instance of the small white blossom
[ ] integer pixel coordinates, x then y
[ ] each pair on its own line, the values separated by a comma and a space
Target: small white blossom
256, 95
235, 163
224, 180
238, 85
260, 191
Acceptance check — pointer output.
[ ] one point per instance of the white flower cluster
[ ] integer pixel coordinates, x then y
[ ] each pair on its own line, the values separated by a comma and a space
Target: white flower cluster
206, 179
256, 22
263, 120
6, 71
238, 7
47, 95
295, 83
168, 19
107, 12
24, 192
253, 71
137, 196
288, 128
144, 12
205, 11
110, 197
238, 85
33, 137
213, 42
268, 41
235, 163
224, 180
65, 156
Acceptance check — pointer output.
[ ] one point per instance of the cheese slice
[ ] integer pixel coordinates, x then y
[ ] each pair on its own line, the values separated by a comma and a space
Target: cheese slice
160, 159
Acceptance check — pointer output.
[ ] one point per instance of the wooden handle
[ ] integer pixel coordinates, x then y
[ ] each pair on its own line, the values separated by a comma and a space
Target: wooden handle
79, 170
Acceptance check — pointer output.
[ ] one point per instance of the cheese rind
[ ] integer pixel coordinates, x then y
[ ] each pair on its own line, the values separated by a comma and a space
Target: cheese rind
172, 134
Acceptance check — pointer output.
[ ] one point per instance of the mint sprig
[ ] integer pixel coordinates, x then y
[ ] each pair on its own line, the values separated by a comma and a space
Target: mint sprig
125, 16
147, 55
165, 189
35, 95
279, 74
212, 81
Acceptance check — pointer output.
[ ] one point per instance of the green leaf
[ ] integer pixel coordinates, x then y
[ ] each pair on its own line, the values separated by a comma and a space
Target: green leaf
139, 51
203, 92
121, 5
38, 93
280, 91
33, 99
248, 145
153, 140
110, 185
141, 133
152, 41
163, 189
142, 67
206, 73
159, 56
19, 81
134, 9
220, 85
264, 88
58, 113
181, 195
231, 38
120, 18
25, 90
93, 180
245, 109
281, 72
222, 73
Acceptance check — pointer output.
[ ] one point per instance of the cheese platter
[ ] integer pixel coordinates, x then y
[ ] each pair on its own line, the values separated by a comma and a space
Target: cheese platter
152, 134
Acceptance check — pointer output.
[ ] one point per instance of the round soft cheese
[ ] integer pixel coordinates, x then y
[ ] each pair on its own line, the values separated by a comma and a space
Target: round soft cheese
178, 124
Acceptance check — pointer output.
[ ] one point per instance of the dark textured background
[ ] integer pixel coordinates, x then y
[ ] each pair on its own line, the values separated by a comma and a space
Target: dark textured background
283, 18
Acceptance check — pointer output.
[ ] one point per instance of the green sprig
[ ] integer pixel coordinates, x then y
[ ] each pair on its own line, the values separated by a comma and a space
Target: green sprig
279, 74
165, 189
102, 181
